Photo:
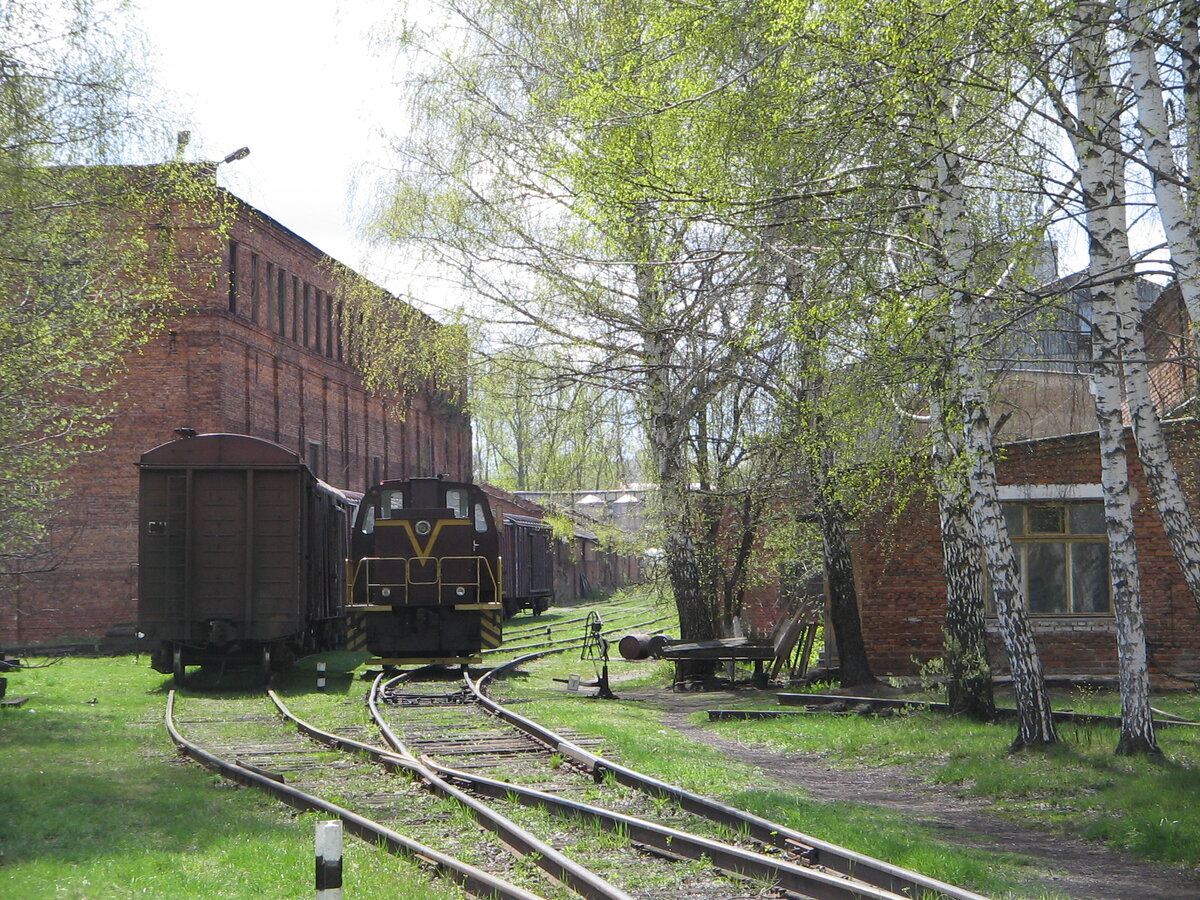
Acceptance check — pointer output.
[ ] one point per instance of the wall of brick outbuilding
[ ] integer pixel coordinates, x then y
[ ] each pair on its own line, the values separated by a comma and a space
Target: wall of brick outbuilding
898, 563
213, 369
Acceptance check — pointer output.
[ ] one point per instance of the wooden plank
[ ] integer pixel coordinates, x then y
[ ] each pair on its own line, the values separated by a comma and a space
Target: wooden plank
734, 653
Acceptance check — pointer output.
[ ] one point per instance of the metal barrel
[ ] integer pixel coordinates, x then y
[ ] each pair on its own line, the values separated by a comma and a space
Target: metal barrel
635, 646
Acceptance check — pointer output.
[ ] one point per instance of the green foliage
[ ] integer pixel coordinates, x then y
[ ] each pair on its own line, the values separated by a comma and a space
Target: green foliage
88, 248
539, 427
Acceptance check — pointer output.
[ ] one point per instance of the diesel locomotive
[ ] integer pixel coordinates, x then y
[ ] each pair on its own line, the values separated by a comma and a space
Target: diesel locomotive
424, 577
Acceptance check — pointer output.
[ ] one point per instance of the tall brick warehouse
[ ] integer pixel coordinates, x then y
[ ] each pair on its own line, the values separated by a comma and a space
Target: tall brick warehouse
256, 350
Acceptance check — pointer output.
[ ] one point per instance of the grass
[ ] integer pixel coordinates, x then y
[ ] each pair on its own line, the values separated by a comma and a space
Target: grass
98, 805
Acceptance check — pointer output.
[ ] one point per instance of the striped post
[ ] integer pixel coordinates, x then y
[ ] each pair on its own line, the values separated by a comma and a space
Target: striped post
329, 860
321, 675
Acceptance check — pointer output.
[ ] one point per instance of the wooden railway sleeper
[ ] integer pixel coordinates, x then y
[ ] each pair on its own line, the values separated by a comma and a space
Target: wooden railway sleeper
474, 880
877, 872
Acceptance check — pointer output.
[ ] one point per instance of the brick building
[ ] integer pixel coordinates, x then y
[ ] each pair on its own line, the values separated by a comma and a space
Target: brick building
1052, 498
1051, 493
256, 349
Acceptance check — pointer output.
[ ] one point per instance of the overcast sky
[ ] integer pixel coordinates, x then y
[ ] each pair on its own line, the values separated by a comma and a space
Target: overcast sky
294, 81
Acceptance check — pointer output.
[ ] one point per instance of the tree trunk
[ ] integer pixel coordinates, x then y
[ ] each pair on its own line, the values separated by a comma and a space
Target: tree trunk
1178, 221
968, 669
853, 666
690, 568
1035, 724
1101, 174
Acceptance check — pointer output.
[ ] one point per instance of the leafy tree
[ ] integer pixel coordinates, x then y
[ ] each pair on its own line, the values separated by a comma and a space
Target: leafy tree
545, 174
538, 427
86, 248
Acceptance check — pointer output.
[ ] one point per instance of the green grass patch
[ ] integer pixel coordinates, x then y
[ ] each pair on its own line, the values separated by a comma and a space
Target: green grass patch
1148, 806
97, 804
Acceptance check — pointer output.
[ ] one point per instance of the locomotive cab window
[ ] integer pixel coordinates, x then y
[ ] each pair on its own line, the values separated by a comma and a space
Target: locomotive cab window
481, 524
457, 500
390, 503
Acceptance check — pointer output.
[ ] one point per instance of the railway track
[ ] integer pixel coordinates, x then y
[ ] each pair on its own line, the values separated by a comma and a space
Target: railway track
608, 832
283, 764
552, 766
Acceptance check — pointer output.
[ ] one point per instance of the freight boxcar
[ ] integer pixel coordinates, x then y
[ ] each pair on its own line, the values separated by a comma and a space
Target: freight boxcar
241, 554
525, 546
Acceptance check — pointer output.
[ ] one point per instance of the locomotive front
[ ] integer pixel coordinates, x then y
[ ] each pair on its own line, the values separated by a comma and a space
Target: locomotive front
423, 581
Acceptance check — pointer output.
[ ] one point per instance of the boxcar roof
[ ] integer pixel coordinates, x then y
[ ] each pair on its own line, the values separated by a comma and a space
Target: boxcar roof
219, 450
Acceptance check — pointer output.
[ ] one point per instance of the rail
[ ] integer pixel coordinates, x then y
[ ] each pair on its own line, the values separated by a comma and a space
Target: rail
473, 879
799, 879
850, 863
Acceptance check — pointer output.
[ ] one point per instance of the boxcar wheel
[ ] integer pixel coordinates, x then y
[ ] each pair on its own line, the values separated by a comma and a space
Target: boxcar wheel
178, 669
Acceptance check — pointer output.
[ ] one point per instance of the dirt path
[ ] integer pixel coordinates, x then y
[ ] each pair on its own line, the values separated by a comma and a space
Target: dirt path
1071, 867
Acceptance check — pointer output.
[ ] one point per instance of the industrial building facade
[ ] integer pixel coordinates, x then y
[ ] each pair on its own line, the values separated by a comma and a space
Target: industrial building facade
256, 347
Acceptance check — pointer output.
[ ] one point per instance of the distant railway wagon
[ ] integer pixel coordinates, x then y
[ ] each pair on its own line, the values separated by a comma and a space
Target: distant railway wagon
424, 575
526, 548
241, 554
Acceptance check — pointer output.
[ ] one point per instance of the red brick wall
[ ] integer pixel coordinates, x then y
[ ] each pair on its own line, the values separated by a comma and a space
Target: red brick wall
898, 565
213, 370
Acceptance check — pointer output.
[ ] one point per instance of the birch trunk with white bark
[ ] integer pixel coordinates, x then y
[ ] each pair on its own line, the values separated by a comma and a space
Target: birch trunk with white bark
1177, 215
1035, 723
968, 669
1114, 325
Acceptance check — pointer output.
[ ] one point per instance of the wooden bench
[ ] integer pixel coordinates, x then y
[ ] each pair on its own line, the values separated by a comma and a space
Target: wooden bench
790, 647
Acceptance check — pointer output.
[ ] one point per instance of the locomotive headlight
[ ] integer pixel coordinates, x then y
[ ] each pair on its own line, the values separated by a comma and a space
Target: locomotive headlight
423, 528
386, 592
462, 591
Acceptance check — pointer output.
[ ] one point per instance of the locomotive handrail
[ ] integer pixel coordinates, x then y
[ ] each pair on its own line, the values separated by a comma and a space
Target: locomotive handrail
483, 570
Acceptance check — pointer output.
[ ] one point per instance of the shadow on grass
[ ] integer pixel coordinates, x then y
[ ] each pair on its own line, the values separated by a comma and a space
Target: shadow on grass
101, 796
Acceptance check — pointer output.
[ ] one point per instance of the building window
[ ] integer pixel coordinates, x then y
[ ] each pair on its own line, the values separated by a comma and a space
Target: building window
341, 324
254, 287
307, 293
314, 458
1062, 555
269, 316
233, 276
329, 326
295, 304
281, 301
316, 344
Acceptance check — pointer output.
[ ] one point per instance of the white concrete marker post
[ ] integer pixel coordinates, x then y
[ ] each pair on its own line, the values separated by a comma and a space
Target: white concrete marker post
329, 860
321, 675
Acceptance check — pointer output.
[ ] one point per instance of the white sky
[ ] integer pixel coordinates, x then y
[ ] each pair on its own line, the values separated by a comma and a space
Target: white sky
297, 82
293, 80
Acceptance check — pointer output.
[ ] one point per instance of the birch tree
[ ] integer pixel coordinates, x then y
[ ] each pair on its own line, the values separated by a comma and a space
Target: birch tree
1171, 161
1097, 139
935, 62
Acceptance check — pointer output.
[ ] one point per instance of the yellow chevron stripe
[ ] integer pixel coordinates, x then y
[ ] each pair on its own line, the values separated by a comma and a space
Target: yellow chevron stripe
412, 534
356, 632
